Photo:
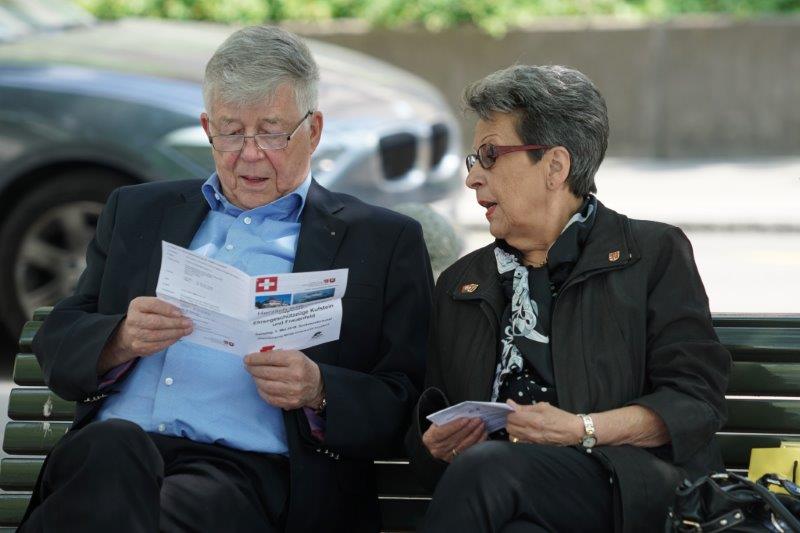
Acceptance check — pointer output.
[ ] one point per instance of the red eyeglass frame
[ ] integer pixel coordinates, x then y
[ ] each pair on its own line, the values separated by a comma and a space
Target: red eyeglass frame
501, 150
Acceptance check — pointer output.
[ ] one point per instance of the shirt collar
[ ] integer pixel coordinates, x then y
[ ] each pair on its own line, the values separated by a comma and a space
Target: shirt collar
288, 207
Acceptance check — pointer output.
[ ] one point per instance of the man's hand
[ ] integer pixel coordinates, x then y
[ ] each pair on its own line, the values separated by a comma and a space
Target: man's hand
150, 326
286, 378
543, 424
448, 440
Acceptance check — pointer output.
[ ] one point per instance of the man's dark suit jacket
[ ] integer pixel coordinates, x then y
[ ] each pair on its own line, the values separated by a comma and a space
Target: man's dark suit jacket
372, 374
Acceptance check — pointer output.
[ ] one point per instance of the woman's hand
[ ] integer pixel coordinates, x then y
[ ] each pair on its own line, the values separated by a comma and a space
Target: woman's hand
543, 424
446, 441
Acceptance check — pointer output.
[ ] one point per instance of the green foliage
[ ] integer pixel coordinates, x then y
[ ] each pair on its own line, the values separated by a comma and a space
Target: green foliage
246, 11
494, 16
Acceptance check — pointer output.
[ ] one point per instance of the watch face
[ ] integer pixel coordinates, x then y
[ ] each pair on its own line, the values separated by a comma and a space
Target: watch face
588, 441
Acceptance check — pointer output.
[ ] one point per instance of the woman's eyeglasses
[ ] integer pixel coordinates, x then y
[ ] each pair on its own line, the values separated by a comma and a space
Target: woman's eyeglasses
488, 153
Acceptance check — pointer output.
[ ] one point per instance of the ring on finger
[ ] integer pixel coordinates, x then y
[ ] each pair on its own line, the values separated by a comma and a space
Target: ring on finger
454, 452
515, 440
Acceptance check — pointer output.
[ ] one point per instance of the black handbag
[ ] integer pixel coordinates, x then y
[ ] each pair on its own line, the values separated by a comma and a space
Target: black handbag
730, 502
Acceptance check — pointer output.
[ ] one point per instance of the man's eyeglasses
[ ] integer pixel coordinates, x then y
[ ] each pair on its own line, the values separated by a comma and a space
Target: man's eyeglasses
488, 153
265, 141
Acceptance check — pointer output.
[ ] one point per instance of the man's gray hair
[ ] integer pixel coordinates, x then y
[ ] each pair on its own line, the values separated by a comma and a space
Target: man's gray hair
250, 65
555, 106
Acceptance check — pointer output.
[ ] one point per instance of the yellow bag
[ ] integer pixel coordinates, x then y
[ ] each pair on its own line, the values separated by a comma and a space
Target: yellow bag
784, 461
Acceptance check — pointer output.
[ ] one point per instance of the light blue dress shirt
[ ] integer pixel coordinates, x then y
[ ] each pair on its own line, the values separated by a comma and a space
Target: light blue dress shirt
204, 394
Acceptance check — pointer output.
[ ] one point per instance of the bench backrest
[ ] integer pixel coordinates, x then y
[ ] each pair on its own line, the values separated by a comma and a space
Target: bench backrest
763, 404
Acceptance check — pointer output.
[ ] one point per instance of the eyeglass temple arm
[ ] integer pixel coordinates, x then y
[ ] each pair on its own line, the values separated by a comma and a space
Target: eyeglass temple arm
500, 150
308, 114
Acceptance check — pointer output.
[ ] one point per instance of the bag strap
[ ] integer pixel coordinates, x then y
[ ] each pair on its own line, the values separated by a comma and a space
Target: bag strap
774, 479
770, 499
721, 523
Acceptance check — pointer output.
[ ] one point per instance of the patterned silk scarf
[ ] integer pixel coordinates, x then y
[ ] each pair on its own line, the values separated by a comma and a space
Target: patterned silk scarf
525, 339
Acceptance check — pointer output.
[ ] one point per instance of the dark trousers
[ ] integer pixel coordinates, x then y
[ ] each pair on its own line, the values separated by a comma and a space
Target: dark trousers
113, 476
497, 486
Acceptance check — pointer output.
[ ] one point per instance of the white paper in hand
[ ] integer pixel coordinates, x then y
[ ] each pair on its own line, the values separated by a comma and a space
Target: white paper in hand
493, 414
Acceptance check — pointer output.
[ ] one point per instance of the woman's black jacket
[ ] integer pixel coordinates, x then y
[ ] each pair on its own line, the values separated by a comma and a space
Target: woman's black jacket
631, 325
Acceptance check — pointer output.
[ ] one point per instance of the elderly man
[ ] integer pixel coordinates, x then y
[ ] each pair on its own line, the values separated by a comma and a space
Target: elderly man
173, 436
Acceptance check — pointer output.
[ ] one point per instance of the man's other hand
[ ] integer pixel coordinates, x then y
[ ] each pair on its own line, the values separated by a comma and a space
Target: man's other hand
286, 378
151, 325
445, 442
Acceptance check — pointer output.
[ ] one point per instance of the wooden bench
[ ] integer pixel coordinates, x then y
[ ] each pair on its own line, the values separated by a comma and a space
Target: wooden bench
763, 403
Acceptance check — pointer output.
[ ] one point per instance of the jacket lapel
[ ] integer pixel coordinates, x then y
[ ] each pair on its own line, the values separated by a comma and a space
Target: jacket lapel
321, 232
179, 224
480, 281
480, 284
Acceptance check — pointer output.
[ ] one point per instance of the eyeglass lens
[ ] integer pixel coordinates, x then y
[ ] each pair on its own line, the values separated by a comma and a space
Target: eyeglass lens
265, 141
486, 156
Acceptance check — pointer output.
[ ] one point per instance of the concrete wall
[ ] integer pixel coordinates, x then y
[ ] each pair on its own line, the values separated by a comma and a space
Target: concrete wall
691, 87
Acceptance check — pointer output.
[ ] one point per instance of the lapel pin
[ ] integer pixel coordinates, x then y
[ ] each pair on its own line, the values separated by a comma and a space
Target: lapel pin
333, 234
613, 256
469, 288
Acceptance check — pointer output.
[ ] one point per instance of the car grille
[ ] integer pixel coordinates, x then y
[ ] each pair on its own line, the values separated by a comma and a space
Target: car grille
439, 140
398, 153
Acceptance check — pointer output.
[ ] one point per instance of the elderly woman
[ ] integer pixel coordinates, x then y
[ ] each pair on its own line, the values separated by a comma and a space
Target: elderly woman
594, 327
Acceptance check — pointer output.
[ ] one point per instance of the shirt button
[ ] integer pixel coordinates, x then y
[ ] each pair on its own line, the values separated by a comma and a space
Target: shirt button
168, 381
162, 428
217, 196
229, 247
247, 220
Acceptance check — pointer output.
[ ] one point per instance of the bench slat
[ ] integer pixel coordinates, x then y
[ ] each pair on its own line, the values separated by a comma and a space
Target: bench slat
763, 416
402, 514
398, 478
743, 342
19, 473
39, 404
736, 447
41, 313
766, 379
12, 508
27, 370
32, 438
398, 514
28, 332
752, 320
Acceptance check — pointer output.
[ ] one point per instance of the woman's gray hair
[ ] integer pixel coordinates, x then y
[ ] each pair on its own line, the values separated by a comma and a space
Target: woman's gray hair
555, 106
253, 62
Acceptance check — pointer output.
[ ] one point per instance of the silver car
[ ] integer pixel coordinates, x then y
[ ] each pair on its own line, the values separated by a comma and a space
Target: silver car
87, 106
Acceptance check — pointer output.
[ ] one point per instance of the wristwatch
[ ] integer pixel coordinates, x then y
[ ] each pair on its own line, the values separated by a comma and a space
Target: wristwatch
589, 439
320, 409
323, 403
